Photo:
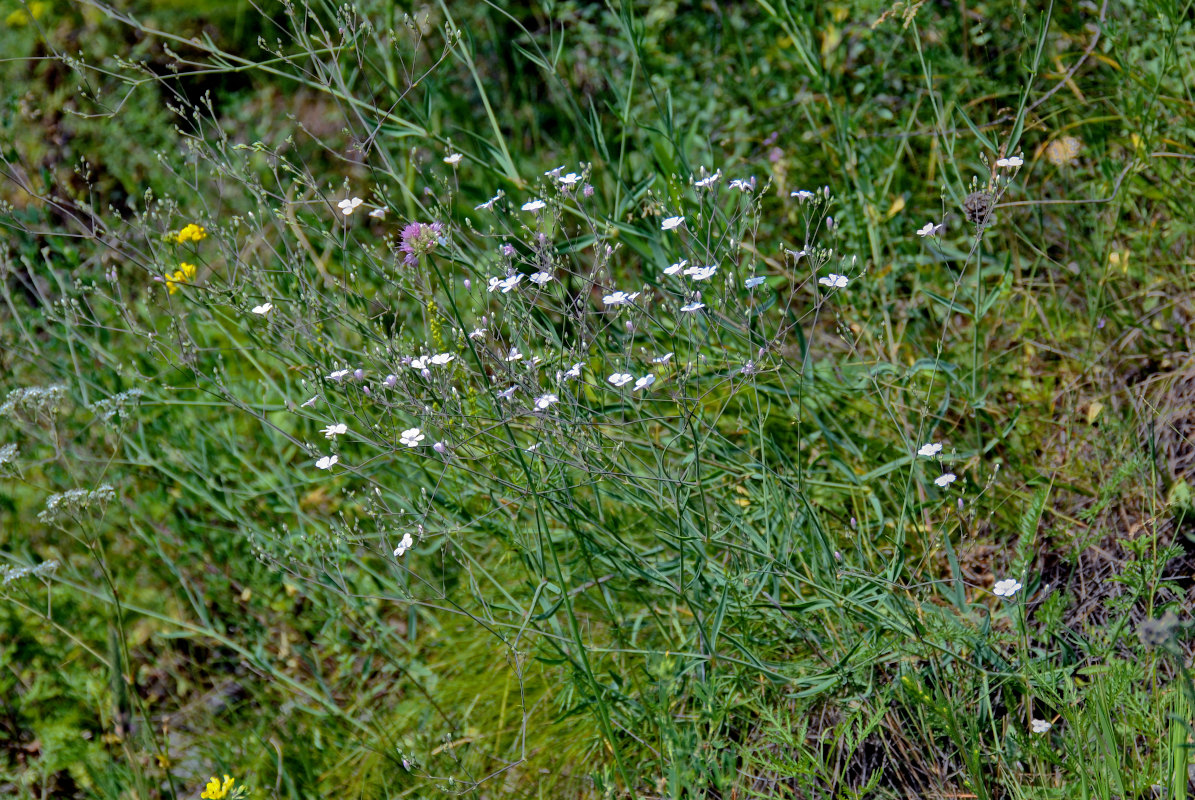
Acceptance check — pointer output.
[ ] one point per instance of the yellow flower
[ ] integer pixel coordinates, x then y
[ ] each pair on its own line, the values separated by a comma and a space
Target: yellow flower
191, 233
21, 18
216, 790
184, 274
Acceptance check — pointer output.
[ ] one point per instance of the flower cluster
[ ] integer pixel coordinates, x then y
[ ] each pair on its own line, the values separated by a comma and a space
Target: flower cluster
419, 239
190, 233
184, 274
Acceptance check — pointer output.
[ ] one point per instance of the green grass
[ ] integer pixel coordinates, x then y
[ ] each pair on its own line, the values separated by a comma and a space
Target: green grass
738, 581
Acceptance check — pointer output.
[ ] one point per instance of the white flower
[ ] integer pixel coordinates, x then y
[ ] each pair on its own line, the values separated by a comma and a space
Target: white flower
554, 173
544, 401
945, 480
411, 437
834, 281
419, 363
488, 205
405, 544
453, 158
1013, 163
309, 403
533, 205
494, 283
743, 185
664, 359
378, 213
1040, 725
541, 278
701, 273
349, 205
334, 430
643, 383
672, 269
263, 309
326, 462
477, 333
802, 195
692, 307
930, 229
754, 281
339, 374
710, 181
930, 450
506, 394
442, 359
569, 179
511, 282
621, 378
619, 298
514, 355
1006, 588
574, 371
672, 223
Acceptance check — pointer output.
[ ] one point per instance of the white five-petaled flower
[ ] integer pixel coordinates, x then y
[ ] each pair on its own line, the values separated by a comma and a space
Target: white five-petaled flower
945, 480
929, 229
672, 269
754, 281
411, 437
488, 205
334, 430
338, 374
1006, 588
442, 359
708, 181
743, 185
574, 371
834, 281
533, 205
702, 273
643, 383
349, 205
689, 307
477, 333
453, 158
802, 195
1040, 725
664, 359
514, 354
1010, 163
378, 213
544, 401
404, 544
621, 378
541, 278
619, 298
554, 173
327, 461
511, 282
264, 308
569, 179
671, 223
930, 450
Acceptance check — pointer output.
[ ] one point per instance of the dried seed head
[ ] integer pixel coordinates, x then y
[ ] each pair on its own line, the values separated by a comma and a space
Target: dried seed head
978, 207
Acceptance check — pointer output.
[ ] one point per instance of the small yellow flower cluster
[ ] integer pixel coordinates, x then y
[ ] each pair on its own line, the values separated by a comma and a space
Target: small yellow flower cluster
217, 790
191, 233
184, 274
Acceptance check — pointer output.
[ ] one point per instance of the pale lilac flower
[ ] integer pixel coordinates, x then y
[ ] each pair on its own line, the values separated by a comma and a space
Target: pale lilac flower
664, 359
349, 205
692, 307
507, 250
545, 401
453, 158
511, 282
404, 544
391, 381
701, 273
621, 379
263, 309
672, 223
930, 450
574, 371
802, 195
309, 403
378, 213
945, 480
1006, 588
514, 354
533, 205
411, 437
1040, 726
337, 375
619, 298
477, 333
334, 430
440, 448
508, 393
754, 281
834, 281
541, 278
929, 229
672, 269
327, 461
1011, 163
644, 383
